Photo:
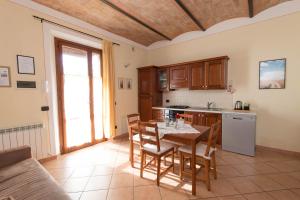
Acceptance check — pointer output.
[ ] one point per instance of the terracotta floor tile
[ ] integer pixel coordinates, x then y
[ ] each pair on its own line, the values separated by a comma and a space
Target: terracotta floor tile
147, 193
222, 187
98, 183
258, 196
121, 180
244, 185
62, 173
285, 180
245, 169
201, 190
265, 183
227, 171
94, 195
102, 170
283, 195
82, 172
120, 193
268, 175
75, 184
235, 197
172, 194
75, 195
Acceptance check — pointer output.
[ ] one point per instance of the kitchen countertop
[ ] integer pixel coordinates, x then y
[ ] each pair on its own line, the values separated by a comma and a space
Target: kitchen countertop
213, 110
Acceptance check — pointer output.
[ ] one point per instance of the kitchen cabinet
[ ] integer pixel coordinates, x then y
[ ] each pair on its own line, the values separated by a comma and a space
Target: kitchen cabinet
148, 92
197, 76
208, 74
216, 73
179, 76
163, 78
158, 114
207, 119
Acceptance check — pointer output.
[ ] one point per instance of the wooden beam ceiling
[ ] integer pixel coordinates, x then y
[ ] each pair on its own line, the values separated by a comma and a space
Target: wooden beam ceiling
250, 7
186, 10
134, 18
150, 21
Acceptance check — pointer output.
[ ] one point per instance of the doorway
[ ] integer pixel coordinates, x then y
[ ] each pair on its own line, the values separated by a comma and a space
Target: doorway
79, 91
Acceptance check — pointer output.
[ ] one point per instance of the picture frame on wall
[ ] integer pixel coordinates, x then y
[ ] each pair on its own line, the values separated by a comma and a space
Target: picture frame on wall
129, 84
121, 83
26, 65
272, 74
5, 77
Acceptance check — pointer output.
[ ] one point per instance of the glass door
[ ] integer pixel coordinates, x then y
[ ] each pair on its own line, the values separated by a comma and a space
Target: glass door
79, 84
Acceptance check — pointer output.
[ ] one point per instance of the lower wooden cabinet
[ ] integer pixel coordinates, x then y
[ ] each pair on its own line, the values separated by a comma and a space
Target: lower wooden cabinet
207, 119
145, 107
158, 114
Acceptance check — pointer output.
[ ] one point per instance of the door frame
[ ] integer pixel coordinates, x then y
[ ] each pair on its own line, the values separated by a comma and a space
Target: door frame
60, 98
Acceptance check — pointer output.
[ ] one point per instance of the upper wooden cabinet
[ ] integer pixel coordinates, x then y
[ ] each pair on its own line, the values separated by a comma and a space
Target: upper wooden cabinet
146, 80
216, 73
197, 76
163, 78
179, 77
208, 74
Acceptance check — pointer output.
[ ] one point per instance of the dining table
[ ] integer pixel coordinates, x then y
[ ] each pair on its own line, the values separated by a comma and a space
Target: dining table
186, 135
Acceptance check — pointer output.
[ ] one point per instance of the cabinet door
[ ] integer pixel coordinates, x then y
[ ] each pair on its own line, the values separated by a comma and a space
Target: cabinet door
197, 76
179, 77
216, 74
163, 78
158, 114
146, 81
145, 107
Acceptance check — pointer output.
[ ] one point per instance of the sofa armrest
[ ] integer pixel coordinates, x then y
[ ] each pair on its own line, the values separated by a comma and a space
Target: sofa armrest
12, 156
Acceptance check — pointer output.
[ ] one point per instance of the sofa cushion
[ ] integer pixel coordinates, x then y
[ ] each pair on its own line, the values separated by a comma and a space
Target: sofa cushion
29, 180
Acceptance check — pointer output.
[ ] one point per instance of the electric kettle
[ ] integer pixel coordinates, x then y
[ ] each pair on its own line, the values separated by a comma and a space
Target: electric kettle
238, 105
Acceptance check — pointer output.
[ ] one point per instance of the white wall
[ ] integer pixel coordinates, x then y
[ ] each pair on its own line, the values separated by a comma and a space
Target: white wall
278, 111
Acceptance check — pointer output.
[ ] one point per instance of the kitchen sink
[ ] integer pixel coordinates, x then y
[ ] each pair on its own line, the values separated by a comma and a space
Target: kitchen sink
208, 109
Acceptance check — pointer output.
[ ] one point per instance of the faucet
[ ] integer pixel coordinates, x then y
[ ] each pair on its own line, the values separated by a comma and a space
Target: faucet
209, 104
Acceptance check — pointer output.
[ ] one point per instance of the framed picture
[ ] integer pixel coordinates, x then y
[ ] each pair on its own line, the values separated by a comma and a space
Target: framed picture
121, 83
5, 77
272, 74
25, 65
128, 84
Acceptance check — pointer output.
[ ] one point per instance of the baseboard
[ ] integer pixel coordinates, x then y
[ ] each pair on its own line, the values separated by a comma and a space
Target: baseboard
43, 160
121, 136
290, 153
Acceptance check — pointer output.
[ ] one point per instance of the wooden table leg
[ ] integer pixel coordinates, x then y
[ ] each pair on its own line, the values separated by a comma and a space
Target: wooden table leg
193, 165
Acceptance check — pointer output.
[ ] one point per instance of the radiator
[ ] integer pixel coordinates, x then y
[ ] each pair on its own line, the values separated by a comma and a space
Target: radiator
33, 135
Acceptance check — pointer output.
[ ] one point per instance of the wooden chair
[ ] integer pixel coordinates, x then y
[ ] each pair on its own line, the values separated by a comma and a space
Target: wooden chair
205, 155
188, 118
154, 148
134, 138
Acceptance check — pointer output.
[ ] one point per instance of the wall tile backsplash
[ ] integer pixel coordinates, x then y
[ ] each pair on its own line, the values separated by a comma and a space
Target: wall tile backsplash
196, 98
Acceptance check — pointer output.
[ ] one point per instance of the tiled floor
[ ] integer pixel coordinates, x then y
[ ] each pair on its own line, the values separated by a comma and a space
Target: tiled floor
103, 172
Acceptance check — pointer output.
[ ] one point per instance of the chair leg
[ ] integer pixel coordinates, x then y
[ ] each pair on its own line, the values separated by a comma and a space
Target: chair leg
142, 164
158, 170
207, 179
214, 165
181, 164
173, 154
131, 155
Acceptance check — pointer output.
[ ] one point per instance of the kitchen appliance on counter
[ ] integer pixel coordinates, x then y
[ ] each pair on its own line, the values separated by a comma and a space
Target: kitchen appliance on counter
238, 105
239, 132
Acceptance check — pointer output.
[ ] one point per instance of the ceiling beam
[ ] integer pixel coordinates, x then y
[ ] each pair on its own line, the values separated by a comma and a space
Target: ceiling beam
250, 6
134, 18
186, 10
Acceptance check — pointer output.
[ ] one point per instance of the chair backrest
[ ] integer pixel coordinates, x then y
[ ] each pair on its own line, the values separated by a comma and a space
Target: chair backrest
213, 136
188, 118
132, 120
149, 134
